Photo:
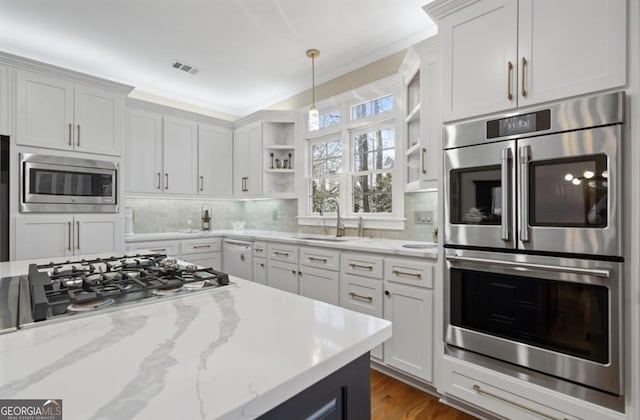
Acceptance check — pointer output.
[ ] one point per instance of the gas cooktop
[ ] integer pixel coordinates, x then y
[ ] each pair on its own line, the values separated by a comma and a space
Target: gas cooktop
72, 287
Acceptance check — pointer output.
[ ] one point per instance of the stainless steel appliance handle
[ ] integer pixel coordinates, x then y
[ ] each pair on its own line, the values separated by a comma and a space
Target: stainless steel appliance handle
479, 390
506, 207
78, 234
524, 193
531, 266
69, 228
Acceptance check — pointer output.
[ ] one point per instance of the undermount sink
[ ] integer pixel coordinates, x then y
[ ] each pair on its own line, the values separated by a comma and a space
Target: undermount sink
310, 238
417, 246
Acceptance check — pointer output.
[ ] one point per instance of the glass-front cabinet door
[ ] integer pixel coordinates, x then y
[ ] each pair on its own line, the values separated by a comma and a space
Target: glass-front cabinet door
480, 191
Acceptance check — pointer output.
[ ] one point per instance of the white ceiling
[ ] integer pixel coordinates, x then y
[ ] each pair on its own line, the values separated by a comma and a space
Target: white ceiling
251, 53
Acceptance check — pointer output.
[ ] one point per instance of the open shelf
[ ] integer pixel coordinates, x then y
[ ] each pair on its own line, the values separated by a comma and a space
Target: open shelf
414, 115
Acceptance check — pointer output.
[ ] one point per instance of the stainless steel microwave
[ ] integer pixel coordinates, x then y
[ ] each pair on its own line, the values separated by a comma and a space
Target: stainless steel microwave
52, 184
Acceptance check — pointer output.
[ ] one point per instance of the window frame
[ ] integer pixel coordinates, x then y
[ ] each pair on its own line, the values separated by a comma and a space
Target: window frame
395, 220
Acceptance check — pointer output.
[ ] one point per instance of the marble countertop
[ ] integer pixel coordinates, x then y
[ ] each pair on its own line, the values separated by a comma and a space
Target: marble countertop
229, 353
353, 243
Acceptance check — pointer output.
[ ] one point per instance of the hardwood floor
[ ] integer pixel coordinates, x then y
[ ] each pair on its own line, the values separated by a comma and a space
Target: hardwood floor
392, 399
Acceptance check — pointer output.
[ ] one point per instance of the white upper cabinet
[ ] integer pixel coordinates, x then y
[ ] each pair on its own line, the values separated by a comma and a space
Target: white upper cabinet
504, 54
570, 47
247, 160
180, 155
479, 58
59, 114
99, 118
44, 111
215, 161
5, 128
143, 152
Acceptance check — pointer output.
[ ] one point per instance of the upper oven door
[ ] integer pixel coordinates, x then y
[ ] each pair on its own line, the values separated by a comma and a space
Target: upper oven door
479, 191
569, 192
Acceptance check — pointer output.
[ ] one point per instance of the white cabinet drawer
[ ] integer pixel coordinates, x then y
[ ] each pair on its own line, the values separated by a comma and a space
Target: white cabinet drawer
209, 260
260, 249
361, 294
411, 272
171, 248
325, 259
502, 402
201, 246
283, 252
362, 265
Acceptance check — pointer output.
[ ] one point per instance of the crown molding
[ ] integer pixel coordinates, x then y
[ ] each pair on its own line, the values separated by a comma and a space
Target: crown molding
28, 64
439, 9
176, 112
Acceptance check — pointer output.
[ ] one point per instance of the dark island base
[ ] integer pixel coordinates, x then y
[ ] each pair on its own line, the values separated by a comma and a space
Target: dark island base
345, 394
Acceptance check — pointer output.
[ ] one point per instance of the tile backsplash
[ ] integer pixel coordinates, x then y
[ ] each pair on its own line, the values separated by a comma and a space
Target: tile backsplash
170, 215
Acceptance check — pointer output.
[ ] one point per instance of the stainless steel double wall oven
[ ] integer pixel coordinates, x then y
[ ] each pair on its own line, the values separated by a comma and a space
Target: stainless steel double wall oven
533, 238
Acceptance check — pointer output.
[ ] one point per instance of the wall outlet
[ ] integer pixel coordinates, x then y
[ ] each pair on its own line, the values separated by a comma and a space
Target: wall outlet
275, 215
423, 217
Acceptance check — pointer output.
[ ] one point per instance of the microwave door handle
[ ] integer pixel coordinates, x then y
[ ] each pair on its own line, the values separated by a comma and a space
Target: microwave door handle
524, 193
522, 266
506, 209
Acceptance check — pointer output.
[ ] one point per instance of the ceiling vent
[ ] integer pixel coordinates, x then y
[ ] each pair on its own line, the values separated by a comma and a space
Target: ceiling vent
187, 68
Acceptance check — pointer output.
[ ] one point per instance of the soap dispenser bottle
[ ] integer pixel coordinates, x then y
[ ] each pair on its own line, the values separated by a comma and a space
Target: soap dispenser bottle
205, 210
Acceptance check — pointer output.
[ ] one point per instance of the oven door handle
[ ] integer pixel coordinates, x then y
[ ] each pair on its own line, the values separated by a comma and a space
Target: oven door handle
506, 211
524, 193
536, 267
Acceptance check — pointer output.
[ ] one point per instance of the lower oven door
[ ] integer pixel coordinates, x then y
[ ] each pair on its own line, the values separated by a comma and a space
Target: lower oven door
554, 315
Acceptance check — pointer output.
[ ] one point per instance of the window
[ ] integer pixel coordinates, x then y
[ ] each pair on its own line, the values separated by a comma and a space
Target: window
371, 108
373, 163
353, 157
326, 165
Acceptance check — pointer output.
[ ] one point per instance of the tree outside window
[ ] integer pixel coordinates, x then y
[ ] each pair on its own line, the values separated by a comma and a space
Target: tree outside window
373, 162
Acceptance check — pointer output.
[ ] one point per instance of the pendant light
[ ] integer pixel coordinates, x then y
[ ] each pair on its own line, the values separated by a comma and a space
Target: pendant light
314, 115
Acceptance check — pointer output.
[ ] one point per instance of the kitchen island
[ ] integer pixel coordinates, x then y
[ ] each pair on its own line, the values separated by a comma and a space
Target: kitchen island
235, 352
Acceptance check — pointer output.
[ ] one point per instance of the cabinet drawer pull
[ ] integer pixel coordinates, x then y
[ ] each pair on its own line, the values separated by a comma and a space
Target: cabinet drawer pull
281, 254
162, 250
524, 75
479, 390
357, 296
423, 160
201, 246
509, 76
322, 260
78, 234
244, 184
166, 181
404, 273
78, 144
364, 267
201, 183
159, 179
70, 134
69, 227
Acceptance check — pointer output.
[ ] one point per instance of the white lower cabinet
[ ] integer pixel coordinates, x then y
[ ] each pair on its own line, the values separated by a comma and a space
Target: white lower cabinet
283, 276
323, 285
259, 269
169, 248
410, 309
362, 295
208, 260
41, 236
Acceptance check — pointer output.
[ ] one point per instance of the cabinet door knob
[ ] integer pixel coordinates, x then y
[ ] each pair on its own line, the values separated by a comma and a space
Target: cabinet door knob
387, 293
294, 272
